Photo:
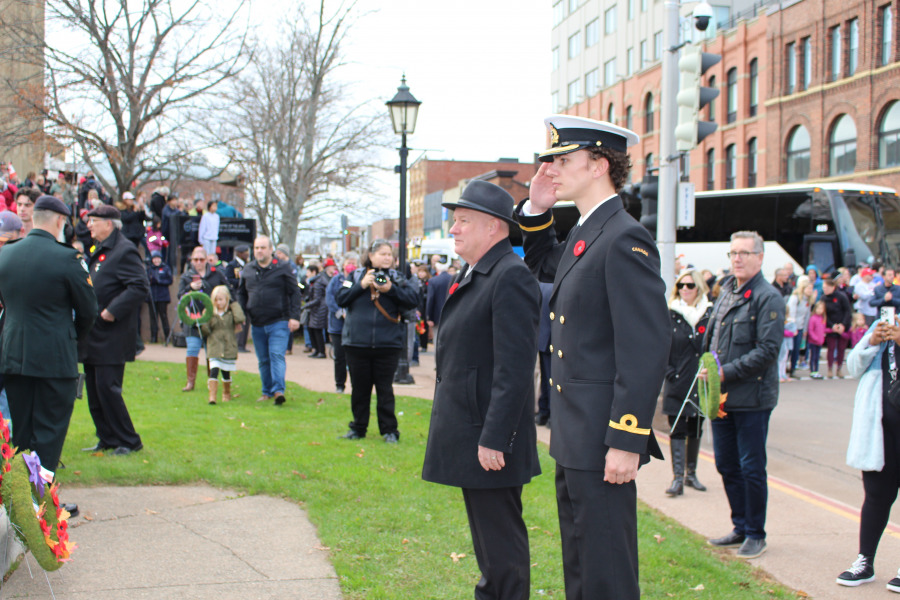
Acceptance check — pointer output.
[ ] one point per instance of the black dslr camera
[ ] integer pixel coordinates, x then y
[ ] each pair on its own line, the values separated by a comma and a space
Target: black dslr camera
381, 277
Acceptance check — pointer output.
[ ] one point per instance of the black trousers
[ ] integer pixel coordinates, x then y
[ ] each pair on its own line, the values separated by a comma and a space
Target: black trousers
40, 409
500, 539
107, 406
317, 338
368, 367
880, 486
544, 398
598, 527
158, 310
340, 360
687, 427
244, 332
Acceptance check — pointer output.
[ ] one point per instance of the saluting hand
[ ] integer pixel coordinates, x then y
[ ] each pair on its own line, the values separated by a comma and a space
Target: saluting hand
542, 194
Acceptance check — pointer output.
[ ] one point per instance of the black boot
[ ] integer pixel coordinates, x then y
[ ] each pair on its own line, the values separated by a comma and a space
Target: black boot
677, 487
693, 450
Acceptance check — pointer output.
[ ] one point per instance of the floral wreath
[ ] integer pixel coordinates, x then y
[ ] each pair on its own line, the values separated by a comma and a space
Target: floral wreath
33, 506
195, 318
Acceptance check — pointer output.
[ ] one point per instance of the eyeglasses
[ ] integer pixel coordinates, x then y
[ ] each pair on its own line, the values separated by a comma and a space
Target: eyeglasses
743, 254
198, 260
689, 286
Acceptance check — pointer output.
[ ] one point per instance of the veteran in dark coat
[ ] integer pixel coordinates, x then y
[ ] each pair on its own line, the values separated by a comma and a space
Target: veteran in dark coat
482, 436
121, 285
610, 339
48, 305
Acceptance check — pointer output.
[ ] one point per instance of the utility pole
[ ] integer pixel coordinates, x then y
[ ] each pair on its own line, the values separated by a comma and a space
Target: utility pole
668, 160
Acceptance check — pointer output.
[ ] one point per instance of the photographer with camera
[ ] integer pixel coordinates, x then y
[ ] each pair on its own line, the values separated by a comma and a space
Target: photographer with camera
374, 296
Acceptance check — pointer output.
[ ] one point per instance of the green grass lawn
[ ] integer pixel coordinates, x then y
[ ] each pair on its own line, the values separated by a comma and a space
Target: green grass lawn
391, 535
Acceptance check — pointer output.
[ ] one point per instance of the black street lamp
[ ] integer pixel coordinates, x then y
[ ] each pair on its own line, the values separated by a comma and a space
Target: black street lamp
404, 109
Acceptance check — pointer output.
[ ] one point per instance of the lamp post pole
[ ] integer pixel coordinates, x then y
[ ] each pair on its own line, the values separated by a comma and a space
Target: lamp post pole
668, 159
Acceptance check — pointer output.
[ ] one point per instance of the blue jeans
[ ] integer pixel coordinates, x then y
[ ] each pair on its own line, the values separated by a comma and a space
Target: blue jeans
193, 345
270, 342
739, 442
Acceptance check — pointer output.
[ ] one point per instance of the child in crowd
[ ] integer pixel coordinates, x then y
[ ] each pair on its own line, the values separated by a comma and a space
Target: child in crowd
221, 342
784, 356
858, 328
815, 338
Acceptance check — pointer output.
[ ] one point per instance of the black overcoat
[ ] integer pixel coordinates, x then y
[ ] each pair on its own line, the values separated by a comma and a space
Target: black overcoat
609, 333
121, 285
684, 360
484, 382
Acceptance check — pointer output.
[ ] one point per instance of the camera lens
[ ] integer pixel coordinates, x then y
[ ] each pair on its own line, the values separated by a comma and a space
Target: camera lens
381, 278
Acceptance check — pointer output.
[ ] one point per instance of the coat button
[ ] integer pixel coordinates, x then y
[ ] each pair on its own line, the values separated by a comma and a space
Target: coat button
559, 388
551, 347
559, 354
438, 379
562, 319
552, 316
551, 381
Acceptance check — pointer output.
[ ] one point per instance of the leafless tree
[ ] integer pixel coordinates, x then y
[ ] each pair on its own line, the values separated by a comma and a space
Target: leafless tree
124, 78
305, 152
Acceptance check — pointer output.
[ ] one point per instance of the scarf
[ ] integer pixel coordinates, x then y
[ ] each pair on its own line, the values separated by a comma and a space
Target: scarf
691, 314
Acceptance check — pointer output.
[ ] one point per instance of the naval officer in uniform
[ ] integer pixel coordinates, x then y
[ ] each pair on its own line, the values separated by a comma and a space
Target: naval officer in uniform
610, 341
482, 434
49, 304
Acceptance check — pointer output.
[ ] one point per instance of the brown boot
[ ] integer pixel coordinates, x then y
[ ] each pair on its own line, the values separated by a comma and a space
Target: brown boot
840, 372
213, 385
830, 373
191, 362
226, 391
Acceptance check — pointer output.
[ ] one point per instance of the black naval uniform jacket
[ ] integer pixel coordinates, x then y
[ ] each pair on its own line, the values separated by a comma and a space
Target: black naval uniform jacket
609, 333
484, 383
49, 304
121, 284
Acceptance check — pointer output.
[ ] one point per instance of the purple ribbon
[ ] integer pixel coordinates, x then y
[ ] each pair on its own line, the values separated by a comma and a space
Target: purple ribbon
33, 462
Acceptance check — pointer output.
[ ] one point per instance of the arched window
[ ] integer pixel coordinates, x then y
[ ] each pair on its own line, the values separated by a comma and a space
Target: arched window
648, 113
629, 118
751, 163
711, 169
732, 95
754, 87
730, 167
798, 154
648, 163
611, 113
889, 137
712, 103
842, 147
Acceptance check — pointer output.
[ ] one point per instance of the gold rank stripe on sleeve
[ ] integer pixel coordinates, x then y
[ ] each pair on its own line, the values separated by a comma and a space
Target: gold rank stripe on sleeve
629, 423
538, 227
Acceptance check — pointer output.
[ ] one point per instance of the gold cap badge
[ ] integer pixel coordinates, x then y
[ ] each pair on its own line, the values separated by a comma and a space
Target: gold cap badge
554, 135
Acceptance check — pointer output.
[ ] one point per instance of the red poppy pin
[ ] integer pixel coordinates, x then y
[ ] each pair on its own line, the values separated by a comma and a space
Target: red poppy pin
834, 299
274, 261
453, 288
579, 247
701, 329
101, 258
212, 269
747, 294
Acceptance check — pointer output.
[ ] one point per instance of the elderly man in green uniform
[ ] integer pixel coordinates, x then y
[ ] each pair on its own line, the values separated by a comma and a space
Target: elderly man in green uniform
49, 304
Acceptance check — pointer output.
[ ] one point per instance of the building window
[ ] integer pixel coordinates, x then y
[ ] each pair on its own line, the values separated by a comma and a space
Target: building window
835, 35
842, 147
554, 58
790, 71
731, 97
730, 167
853, 48
711, 169
575, 44
648, 113
645, 57
644, 5
806, 59
574, 93
752, 163
609, 20
558, 13
631, 10
887, 33
573, 5
657, 45
798, 154
611, 113
629, 118
754, 87
592, 33
712, 103
889, 137
609, 72
648, 163
554, 102
592, 82
629, 61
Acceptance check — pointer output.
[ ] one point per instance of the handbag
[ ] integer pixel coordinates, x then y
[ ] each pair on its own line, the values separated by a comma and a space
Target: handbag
304, 316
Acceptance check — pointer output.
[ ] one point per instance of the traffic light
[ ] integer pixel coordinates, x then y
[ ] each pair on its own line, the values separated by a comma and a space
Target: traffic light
649, 192
344, 227
692, 97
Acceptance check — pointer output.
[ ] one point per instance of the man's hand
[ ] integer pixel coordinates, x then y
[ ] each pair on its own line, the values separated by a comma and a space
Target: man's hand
704, 374
107, 316
888, 296
491, 460
543, 196
368, 279
293, 324
621, 466
196, 284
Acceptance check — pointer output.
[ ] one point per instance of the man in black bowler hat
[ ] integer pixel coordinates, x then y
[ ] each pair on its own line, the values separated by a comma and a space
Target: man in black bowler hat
482, 435
609, 342
49, 304
121, 285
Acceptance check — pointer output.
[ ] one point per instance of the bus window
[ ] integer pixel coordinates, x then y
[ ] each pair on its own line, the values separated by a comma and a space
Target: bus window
821, 254
858, 233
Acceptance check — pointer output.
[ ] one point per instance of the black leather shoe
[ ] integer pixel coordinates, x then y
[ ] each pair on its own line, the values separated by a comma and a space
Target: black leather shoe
751, 548
732, 540
279, 399
351, 435
98, 448
125, 450
70, 508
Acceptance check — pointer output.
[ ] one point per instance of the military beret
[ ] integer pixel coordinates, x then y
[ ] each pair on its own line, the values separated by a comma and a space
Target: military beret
9, 222
52, 203
105, 211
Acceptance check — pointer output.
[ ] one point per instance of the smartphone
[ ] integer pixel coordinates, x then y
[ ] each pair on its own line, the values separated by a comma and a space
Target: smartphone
887, 314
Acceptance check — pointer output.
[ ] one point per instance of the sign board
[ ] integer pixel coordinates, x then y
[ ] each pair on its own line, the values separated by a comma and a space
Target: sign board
685, 205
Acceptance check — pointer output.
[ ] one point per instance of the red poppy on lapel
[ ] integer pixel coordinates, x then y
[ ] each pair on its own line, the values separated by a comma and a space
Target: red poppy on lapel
701, 329
453, 288
834, 299
101, 258
579, 247
274, 261
747, 293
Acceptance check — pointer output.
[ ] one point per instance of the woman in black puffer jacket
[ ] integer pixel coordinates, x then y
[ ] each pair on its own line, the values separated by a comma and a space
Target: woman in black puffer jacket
689, 309
375, 296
